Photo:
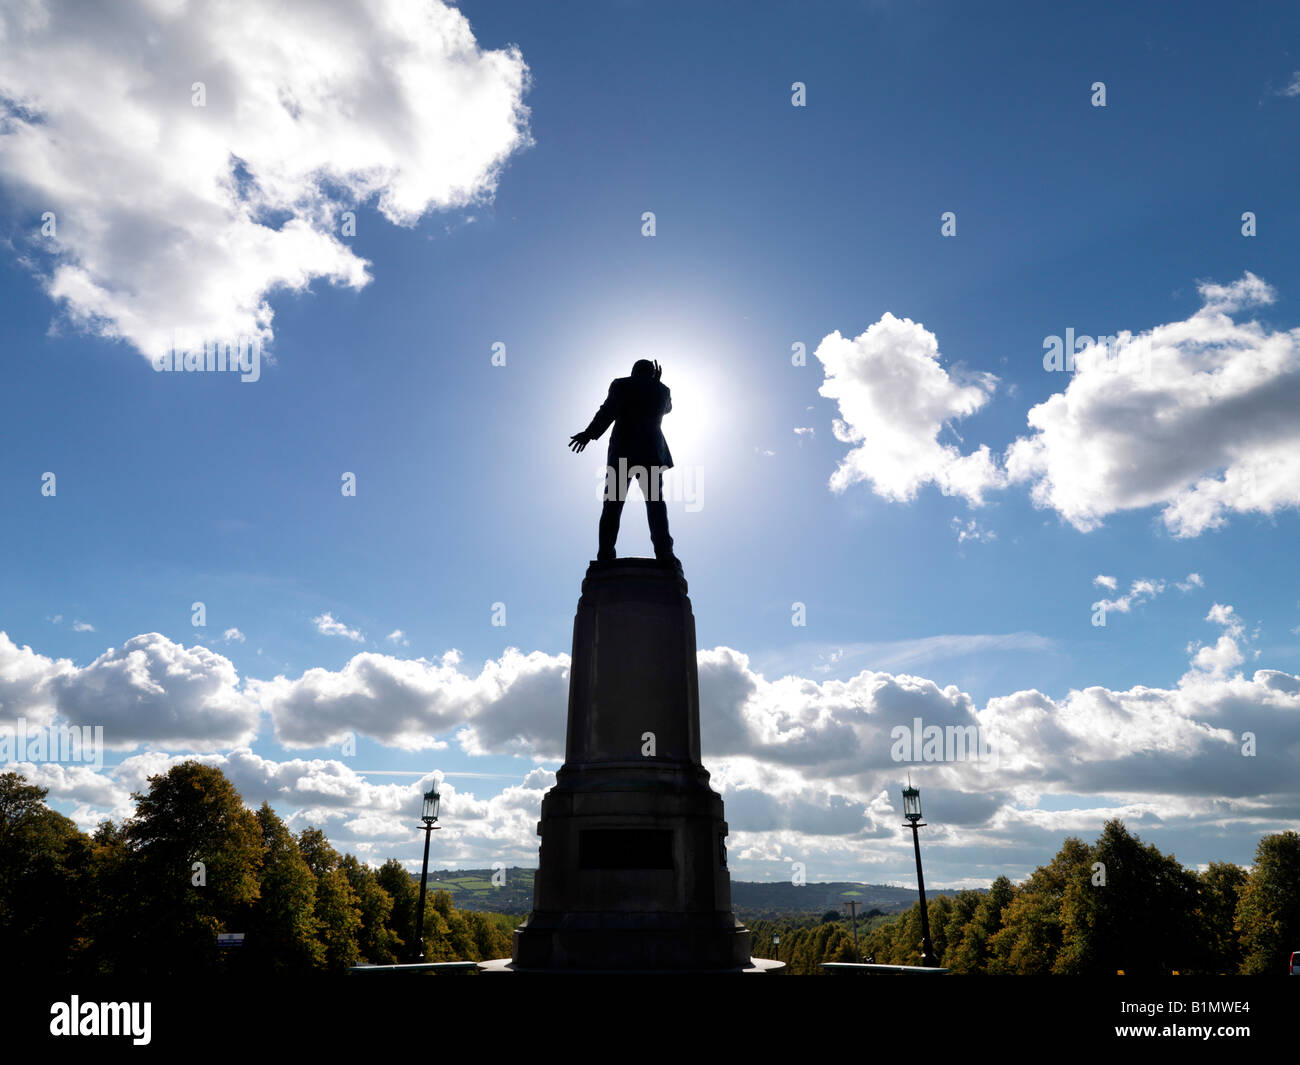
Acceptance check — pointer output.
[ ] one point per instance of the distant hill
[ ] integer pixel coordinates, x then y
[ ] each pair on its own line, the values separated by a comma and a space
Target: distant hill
750, 901
473, 889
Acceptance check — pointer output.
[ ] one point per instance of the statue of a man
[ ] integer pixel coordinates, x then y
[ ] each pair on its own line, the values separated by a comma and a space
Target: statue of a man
637, 451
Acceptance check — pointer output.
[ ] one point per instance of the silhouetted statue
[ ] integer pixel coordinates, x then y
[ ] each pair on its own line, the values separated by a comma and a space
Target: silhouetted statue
637, 451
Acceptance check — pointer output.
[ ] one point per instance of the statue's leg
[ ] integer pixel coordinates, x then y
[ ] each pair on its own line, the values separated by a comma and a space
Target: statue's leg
657, 513
611, 512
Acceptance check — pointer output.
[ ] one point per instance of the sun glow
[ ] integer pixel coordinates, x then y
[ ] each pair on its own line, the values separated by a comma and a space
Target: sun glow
696, 427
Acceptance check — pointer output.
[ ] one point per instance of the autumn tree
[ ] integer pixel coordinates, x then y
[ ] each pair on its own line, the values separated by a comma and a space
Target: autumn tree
337, 909
282, 931
376, 941
1221, 885
1031, 935
196, 852
1131, 909
44, 860
1268, 911
395, 880
970, 953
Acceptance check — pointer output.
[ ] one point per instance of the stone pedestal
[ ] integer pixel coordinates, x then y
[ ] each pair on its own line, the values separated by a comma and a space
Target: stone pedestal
633, 864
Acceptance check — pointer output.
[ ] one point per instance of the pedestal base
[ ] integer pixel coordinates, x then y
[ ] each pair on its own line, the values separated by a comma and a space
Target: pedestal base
632, 870
632, 875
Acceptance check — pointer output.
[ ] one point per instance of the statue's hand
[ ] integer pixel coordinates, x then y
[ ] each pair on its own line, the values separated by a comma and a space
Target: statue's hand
658, 370
578, 441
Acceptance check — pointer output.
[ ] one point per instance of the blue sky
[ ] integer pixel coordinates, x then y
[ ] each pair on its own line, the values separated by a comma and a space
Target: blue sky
503, 203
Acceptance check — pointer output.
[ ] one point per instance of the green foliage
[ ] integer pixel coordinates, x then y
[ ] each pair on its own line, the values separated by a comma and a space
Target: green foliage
316, 851
1137, 919
338, 915
377, 941
1146, 915
124, 901
1268, 910
42, 857
1032, 925
971, 951
283, 932
401, 918
190, 814
1221, 887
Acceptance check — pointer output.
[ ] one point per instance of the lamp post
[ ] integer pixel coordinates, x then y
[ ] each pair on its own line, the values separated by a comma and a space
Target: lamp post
912, 811
429, 816
852, 907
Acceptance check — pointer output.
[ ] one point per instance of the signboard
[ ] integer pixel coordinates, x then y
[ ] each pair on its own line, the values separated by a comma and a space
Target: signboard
230, 939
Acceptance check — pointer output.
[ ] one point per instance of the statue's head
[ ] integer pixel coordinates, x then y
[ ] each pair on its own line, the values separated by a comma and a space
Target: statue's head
643, 368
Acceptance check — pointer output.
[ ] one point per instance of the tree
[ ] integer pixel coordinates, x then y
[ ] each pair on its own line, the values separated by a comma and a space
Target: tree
337, 910
447, 934
196, 852
377, 943
972, 950
114, 929
945, 921
1131, 909
1031, 935
401, 919
316, 851
44, 862
1220, 948
282, 934
1268, 911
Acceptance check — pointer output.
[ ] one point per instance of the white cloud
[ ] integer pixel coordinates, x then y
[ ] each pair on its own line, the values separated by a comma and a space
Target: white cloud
805, 767
1228, 618
25, 683
1226, 652
895, 399
972, 530
152, 690
398, 637
233, 635
1292, 88
327, 625
1206, 424
82, 626
176, 222
1139, 592
1200, 417
89, 788
1246, 291
1222, 656
508, 707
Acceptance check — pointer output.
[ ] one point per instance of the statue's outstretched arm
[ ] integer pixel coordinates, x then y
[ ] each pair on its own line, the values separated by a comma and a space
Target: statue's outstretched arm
598, 425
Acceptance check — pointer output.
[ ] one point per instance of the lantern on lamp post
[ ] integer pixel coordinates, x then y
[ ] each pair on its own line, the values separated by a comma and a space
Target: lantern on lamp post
429, 820
912, 811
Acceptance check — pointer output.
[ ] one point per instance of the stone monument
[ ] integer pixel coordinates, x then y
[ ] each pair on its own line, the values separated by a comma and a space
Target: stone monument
632, 870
